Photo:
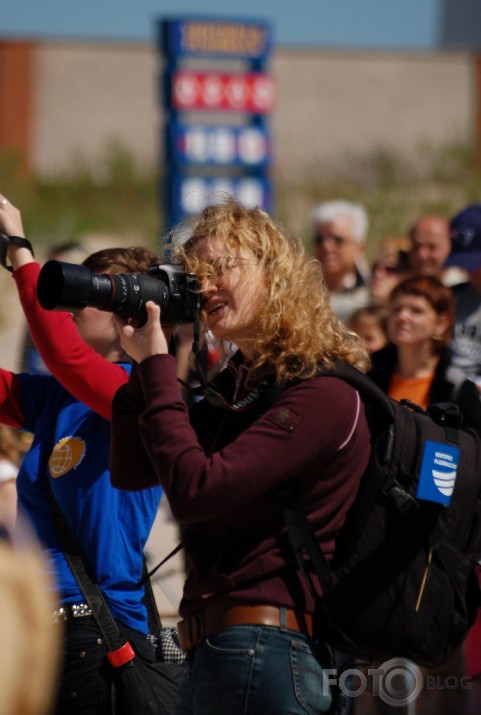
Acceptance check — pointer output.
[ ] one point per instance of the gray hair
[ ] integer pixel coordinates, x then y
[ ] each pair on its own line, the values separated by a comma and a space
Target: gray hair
332, 210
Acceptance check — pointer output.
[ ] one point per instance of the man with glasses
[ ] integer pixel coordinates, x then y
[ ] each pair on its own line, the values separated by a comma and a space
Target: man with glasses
466, 254
339, 236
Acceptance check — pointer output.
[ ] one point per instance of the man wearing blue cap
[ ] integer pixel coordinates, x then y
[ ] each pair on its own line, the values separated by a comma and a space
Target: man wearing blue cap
466, 254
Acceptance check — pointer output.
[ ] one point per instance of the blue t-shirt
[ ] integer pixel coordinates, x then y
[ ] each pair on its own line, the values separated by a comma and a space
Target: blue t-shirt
70, 450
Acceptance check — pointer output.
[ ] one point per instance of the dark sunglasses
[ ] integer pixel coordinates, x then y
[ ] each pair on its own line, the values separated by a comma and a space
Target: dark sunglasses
320, 238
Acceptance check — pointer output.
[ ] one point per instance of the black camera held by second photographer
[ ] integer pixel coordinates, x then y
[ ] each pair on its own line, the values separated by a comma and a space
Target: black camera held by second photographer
71, 287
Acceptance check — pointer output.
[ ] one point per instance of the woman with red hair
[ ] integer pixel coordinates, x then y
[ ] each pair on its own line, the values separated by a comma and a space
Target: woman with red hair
416, 365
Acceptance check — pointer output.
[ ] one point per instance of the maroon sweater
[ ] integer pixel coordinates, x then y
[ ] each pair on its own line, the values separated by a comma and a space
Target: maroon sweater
220, 468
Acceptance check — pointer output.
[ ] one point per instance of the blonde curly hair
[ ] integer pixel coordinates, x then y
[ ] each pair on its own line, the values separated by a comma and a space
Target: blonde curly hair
296, 331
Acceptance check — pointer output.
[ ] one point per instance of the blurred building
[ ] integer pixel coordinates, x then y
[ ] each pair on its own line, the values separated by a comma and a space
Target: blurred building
66, 100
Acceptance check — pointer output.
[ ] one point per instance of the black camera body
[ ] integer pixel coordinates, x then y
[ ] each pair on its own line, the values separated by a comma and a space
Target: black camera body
71, 287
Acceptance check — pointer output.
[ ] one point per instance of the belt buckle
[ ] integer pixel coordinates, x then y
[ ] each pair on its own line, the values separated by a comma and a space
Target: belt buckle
80, 610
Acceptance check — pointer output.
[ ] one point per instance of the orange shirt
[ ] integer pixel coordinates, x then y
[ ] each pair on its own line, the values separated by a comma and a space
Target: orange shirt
415, 389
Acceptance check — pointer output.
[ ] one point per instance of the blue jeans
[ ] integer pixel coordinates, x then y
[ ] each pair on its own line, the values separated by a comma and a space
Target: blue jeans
258, 670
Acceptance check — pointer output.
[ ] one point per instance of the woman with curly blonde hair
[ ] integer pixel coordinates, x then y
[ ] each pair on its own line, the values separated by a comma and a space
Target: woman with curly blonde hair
269, 417
295, 331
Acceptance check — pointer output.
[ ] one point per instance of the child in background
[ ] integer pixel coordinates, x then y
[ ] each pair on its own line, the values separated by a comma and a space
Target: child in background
370, 323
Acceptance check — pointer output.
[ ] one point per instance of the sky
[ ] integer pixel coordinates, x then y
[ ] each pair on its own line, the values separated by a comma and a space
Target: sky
369, 24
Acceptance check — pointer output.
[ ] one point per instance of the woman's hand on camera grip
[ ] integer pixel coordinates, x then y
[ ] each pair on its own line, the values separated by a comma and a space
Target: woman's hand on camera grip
147, 340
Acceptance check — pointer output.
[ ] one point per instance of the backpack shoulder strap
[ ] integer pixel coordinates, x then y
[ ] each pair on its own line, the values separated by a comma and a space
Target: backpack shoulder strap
303, 540
370, 393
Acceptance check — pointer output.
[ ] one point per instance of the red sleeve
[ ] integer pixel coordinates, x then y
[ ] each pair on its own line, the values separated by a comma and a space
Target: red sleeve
10, 410
82, 372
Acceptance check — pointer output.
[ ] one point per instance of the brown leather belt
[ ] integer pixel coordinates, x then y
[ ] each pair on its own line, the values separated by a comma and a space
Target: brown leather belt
195, 627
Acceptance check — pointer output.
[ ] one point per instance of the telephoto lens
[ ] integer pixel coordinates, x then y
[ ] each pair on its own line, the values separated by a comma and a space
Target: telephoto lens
72, 287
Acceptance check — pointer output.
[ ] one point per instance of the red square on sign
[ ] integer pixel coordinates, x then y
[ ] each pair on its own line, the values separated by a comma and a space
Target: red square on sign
253, 92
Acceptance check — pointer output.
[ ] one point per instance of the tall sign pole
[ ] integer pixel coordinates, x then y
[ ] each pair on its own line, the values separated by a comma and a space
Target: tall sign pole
217, 98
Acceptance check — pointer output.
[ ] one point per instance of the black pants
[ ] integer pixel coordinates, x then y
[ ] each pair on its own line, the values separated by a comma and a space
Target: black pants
84, 686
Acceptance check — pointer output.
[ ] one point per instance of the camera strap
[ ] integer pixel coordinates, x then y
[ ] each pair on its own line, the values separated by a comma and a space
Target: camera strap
264, 391
5, 241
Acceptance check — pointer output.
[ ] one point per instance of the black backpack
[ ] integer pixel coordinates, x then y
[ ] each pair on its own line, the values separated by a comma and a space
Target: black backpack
402, 581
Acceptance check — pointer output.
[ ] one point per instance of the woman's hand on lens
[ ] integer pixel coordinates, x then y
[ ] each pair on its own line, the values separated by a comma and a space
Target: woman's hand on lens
146, 340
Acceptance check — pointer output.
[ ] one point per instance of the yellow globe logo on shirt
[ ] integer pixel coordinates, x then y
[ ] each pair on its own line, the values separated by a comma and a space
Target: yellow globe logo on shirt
66, 455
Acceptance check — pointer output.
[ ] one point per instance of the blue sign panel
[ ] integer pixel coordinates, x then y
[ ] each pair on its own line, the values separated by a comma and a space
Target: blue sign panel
438, 472
220, 145
191, 194
202, 37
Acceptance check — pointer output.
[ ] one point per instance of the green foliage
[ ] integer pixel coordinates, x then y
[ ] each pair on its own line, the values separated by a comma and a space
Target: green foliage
395, 192
119, 199
124, 200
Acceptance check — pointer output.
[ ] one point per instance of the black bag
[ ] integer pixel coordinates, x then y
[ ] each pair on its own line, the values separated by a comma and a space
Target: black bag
402, 581
144, 688
140, 686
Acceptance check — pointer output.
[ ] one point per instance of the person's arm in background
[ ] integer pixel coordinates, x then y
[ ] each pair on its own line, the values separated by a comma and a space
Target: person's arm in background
8, 504
85, 374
